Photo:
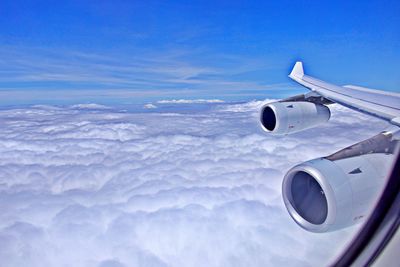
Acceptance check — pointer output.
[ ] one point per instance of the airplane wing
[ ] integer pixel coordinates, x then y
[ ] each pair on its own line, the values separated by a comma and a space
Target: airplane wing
335, 191
377, 103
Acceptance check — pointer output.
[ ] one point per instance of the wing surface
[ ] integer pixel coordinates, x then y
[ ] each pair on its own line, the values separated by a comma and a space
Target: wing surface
381, 104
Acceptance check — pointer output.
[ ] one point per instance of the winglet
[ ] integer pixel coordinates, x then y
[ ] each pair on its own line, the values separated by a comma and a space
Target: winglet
297, 71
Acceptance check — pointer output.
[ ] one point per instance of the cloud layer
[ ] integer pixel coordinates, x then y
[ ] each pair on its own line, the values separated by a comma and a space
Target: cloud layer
190, 101
54, 75
89, 185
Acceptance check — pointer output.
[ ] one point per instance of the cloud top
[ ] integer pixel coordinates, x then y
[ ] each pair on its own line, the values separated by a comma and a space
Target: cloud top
92, 186
149, 106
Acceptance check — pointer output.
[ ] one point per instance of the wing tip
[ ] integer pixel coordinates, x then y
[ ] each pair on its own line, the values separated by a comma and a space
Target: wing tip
297, 71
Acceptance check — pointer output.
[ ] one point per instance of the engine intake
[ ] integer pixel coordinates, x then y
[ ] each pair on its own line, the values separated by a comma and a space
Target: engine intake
288, 117
323, 195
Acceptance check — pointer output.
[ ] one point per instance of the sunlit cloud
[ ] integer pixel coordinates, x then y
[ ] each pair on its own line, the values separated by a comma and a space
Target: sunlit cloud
91, 185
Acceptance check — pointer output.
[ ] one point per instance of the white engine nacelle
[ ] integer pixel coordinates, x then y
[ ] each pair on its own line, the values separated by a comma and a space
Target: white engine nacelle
288, 117
323, 195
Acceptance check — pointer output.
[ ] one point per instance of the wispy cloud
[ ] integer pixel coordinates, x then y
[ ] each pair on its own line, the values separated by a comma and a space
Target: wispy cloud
189, 101
40, 71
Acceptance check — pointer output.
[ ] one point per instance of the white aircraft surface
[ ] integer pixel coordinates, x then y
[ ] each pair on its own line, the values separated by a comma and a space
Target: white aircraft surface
339, 190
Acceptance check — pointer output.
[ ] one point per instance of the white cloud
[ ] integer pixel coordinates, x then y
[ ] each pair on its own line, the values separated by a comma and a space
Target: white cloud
189, 101
149, 106
89, 106
109, 188
252, 106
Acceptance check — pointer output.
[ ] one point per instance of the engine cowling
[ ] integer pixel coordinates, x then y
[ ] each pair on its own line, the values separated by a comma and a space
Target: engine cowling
323, 195
288, 117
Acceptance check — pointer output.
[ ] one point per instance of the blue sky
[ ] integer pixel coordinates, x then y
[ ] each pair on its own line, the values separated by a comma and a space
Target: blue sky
144, 51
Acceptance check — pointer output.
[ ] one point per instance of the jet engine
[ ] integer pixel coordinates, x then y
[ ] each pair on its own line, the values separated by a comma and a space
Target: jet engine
325, 194
288, 117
